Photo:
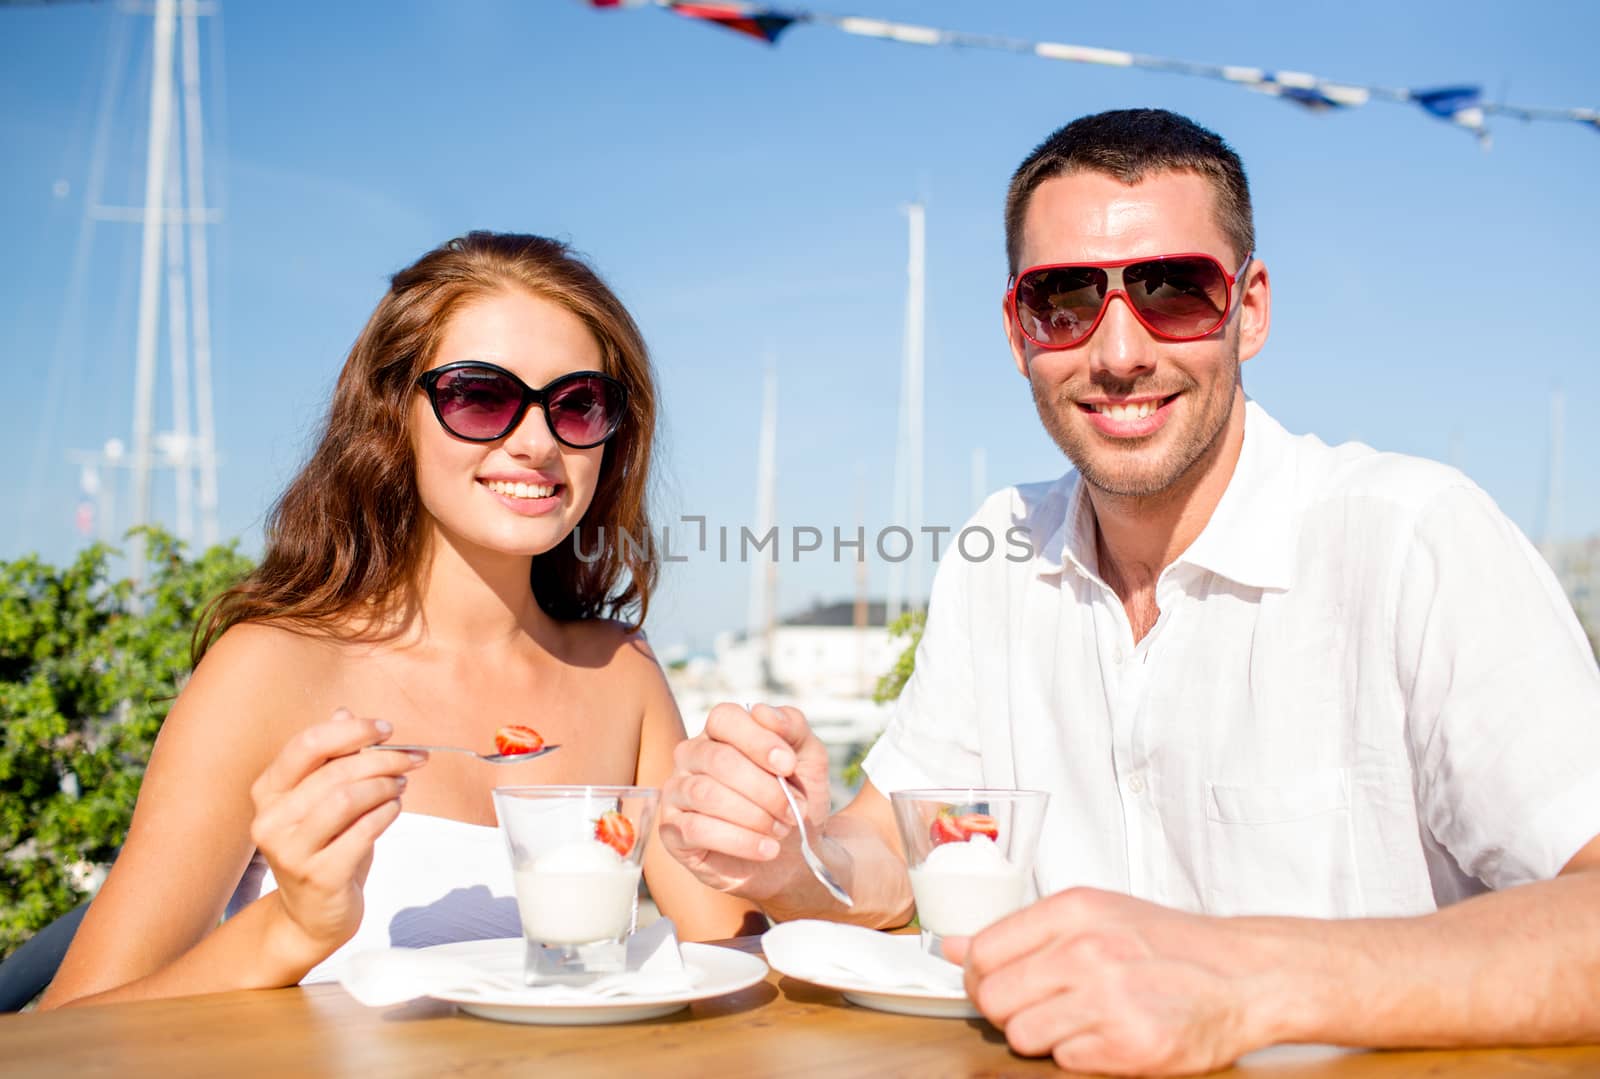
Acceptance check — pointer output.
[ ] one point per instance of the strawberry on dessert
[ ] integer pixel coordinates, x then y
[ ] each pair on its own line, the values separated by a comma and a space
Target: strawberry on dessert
516, 740
615, 831
952, 827
978, 824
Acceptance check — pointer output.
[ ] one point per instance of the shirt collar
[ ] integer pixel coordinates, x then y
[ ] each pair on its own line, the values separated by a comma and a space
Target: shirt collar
1250, 538
1066, 520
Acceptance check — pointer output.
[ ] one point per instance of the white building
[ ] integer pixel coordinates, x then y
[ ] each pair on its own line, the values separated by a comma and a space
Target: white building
826, 661
832, 649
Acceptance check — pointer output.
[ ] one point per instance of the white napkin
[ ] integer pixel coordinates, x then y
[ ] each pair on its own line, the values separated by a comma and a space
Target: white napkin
822, 951
392, 975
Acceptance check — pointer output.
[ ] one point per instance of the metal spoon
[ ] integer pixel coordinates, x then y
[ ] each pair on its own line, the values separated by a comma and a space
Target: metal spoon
818, 868
492, 758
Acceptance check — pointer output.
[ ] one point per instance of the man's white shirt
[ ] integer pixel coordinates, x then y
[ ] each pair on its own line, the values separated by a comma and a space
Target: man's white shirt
1365, 694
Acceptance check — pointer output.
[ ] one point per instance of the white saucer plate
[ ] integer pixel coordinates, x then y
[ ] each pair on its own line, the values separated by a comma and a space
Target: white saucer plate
931, 1003
715, 972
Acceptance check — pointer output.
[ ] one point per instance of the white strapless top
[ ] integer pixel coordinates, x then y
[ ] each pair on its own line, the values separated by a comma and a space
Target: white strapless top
432, 881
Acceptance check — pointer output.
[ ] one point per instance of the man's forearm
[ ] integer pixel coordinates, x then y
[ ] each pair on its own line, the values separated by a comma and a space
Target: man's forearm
868, 869
1512, 967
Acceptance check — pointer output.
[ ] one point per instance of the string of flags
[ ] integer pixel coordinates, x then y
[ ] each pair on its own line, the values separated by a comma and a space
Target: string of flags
1462, 105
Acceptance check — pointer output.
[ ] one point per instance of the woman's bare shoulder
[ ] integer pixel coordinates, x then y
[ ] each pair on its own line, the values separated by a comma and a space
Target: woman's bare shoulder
271, 646
267, 672
611, 643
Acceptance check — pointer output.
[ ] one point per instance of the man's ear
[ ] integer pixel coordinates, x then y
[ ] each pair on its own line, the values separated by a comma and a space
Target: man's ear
1018, 343
1255, 310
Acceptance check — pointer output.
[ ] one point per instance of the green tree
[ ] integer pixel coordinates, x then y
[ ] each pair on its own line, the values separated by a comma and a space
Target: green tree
909, 626
89, 666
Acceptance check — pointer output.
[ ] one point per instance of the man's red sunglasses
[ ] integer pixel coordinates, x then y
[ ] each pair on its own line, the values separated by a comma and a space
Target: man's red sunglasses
1176, 297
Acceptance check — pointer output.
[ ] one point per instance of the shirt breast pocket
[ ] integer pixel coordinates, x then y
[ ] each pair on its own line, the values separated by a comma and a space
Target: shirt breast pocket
1282, 848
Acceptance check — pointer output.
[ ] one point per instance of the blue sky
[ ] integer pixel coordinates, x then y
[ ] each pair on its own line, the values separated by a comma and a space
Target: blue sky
746, 201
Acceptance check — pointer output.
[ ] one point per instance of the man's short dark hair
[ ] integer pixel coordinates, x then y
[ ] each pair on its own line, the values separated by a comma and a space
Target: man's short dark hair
1131, 144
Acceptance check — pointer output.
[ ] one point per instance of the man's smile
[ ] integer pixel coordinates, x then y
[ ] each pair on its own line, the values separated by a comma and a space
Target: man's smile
1128, 417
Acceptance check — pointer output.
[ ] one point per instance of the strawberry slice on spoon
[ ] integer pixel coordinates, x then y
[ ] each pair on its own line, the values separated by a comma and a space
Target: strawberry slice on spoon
515, 740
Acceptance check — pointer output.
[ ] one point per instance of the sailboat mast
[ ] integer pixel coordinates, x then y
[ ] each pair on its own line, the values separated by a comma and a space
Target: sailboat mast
155, 180
915, 301
764, 571
905, 576
199, 276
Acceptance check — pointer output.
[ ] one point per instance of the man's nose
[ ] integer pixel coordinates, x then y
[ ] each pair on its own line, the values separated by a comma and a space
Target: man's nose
1120, 346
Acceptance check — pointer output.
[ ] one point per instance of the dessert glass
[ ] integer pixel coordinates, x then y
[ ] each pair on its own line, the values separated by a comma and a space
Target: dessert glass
577, 891
969, 852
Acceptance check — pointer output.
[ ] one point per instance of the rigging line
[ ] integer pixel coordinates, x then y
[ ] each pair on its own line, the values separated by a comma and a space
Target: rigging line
1312, 90
66, 356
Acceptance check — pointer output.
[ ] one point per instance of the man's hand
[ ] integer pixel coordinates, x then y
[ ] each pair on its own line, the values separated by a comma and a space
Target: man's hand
1109, 984
723, 814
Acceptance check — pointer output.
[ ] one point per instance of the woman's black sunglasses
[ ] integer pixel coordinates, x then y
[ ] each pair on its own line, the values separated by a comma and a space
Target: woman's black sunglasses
480, 402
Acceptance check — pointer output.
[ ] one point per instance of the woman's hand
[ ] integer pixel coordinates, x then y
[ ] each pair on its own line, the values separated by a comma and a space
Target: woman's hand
319, 807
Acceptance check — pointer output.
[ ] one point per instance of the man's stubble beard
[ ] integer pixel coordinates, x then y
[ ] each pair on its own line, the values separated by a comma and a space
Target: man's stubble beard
1113, 473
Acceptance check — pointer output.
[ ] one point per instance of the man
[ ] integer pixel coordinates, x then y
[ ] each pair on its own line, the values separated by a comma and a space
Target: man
1295, 705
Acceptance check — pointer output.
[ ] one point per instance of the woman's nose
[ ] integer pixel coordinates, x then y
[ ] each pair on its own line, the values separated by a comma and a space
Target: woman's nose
531, 437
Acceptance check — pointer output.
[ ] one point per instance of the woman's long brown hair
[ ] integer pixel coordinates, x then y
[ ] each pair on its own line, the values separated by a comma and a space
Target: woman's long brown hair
345, 542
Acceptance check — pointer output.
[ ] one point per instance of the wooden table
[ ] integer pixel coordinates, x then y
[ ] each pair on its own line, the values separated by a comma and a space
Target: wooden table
778, 1028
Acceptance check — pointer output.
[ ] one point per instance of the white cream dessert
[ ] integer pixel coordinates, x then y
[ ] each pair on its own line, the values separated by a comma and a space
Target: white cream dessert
961, 888
577, 893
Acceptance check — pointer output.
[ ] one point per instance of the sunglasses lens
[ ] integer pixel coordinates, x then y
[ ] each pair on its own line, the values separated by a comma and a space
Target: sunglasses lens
586, 410
477, 402
1183, 298
1057, 305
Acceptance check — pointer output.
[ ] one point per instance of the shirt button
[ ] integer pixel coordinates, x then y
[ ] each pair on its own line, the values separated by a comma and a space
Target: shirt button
1136, 784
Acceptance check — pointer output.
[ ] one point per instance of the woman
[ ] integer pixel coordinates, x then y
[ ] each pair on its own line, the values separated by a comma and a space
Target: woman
499, 399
